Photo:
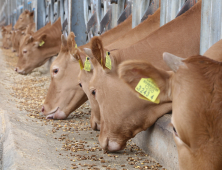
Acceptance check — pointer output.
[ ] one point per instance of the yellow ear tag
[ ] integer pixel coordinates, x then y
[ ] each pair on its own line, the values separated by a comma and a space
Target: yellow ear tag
76, 46
148, 88
80, 64
41, 44
108, 61
87, 65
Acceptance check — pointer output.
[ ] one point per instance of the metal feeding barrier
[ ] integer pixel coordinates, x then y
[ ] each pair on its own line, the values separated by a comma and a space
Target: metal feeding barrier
88, 18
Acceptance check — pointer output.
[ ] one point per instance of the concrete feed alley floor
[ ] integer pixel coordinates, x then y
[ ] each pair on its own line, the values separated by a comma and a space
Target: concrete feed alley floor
29, 141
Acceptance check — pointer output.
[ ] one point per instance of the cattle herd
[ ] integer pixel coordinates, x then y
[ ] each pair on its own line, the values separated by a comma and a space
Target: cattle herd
132, 77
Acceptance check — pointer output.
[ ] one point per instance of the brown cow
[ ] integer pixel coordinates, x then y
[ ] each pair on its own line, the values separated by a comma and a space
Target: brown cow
24, 20
38, 48
59, 83
194, 88
142, 30
122, 114
20, 35
6, 36
59, 71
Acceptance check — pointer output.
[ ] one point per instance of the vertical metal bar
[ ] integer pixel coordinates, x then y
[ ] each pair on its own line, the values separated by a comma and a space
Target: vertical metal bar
163, 13
25, 4
62, 11
77, 21
136, 15
210, 24
144, 5
120, 7
174, 9
169, 10
86, 11
114, 14
99, 16
40, 14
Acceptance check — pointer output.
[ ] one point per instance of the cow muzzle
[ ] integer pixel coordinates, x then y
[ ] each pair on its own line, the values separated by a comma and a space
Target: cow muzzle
55, 114
19, 71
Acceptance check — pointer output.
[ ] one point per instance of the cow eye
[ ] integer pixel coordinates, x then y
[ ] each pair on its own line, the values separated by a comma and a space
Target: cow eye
55, 71
94, 92
80, 84
24, 51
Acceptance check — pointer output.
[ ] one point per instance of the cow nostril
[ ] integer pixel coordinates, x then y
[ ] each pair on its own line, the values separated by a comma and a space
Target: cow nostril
16, 69
43, 109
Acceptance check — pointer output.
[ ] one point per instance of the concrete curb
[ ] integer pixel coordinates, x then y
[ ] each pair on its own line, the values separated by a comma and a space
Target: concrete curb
8, 145
157, 141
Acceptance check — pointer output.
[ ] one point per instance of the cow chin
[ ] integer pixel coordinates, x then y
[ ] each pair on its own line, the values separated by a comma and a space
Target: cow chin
58, 114
111, 146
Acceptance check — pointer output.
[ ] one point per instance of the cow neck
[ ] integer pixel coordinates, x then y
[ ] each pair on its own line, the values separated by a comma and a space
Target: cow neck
180, 37
142, 30
111, 35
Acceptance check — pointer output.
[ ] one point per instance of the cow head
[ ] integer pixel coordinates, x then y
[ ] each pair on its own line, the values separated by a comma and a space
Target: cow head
195, 88
24, 19
31, 53
64, 94
122, 114
84, 78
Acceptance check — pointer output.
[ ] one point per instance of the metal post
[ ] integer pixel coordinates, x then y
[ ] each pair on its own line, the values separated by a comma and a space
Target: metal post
25, 4
40, 14
169, 10
121, 4
62, 11
136, 13
144, 5
114, 13
211, 21
51, 9
77, 22
99, 16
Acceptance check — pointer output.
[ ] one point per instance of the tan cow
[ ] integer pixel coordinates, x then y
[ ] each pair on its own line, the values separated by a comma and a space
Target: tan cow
39, 48
24, 20
60, 83
73, 92
6, 36
194, 87
142, 30
19, 35
122, 114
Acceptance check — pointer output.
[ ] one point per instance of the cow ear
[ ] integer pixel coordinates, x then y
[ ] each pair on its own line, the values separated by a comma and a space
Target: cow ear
41, 40
71, 42
64, 46
31, 14
98, 50
173, 61
132, 71
30, 39
26, 11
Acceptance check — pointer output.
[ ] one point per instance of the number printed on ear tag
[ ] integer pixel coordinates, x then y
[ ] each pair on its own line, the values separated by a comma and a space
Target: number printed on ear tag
87, 65
108, 61
42, 43
148, 88
76, 46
